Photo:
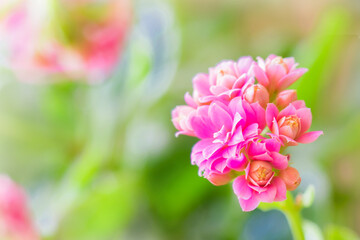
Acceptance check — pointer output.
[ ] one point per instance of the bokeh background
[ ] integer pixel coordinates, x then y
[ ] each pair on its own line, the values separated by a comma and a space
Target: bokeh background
100, 161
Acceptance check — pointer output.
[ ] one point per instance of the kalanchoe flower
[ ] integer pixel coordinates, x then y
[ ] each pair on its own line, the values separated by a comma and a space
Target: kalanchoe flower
225, 81
227, 113
259, 184
15, 222
291, 124
276, 73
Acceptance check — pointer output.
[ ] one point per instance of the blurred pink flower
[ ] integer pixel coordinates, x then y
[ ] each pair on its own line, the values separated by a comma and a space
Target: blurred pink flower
291, 124
87, 48
15, 221
276, 73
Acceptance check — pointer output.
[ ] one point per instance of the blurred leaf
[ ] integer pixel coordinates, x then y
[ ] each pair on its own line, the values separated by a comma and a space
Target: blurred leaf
101, 212
320, 54
334, 232
308, 196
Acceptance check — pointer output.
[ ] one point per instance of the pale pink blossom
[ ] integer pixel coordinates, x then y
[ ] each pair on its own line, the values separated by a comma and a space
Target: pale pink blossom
180, 118
291, 124
224, 82
15, 221
276, 73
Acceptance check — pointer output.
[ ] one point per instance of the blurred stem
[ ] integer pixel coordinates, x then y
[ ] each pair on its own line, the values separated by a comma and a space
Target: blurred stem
293, 215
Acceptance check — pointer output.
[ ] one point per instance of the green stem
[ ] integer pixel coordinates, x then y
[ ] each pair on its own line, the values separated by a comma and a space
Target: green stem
293, 215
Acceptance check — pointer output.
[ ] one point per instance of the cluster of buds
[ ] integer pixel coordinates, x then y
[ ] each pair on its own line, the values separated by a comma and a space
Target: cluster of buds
245, 118
65, 39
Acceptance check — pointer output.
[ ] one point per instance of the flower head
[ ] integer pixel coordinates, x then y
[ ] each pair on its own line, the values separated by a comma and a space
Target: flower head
227, 113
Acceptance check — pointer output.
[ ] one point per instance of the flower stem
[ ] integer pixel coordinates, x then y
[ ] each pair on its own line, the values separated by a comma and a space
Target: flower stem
293, 215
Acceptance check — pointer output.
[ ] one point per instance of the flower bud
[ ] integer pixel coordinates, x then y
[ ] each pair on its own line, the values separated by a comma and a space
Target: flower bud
257, 93
286, 97
291, 177
289, 126
220, 179
261, 172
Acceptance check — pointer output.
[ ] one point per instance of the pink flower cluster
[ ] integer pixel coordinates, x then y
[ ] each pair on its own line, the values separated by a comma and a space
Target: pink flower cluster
15, 221
245, 118
75, 40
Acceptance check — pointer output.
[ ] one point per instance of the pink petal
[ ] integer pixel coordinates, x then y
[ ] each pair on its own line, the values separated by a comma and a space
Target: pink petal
259, 75
298, 104
290, 78
218, 165
201, 129
240, 82
236, 106
189, 100
269, 194
249, 204
290, 62
238, 163
219, 116
271, 113
309, 137
201, 84
275, 72
251, 131
241, 188
280, 189
237, 137
305, 118
217, 90
259, 115
243, 65
211, 149
279, 161
273, 145
288, 141
288, 111
275, 127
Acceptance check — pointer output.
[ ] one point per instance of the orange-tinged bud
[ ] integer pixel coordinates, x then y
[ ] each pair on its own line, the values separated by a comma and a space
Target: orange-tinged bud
257, 93
291, 177
286, 97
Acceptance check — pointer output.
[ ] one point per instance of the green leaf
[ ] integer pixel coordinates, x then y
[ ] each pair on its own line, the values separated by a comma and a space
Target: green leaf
334, 232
